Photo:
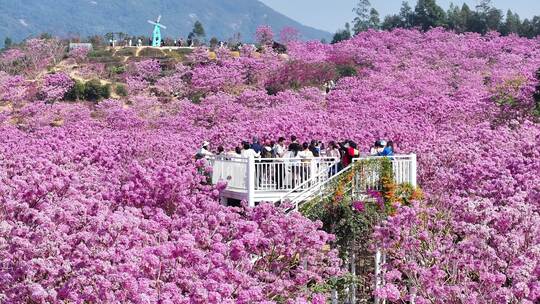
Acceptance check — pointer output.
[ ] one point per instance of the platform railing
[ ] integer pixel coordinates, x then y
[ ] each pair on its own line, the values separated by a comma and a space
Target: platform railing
230, 169
284, 174
294, 179
403, 168
365, 178
313, 187
269, 175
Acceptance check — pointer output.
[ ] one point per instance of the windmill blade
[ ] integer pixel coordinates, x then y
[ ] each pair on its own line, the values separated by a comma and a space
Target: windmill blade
162, 26
152, 22
158, 19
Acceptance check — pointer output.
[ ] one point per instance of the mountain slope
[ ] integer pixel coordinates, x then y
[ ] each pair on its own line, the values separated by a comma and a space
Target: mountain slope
221, 18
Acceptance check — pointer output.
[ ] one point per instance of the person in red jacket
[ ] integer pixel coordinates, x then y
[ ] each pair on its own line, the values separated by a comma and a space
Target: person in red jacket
350, 153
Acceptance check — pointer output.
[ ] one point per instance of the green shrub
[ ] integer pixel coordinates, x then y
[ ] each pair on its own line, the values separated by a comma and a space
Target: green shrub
152, 52
105, 91
92, 91
107, 60
346, 70
182, 52
117, 69
121, 90
126, 52
76, 92
99, 53
197, 97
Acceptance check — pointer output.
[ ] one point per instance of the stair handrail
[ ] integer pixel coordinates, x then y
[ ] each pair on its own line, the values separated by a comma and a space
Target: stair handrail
319, 185
308, 181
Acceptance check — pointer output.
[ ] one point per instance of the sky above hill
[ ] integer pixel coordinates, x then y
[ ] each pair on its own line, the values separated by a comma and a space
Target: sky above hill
331, 15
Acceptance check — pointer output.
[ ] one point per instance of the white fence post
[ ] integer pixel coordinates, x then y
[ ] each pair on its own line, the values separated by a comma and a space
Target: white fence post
377, 273
251, 181
353, 272
413, 170
334, 297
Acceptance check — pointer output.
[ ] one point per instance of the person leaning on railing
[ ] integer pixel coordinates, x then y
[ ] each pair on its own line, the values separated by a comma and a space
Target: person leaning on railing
279, 151
204, 151
350, 152
292, 164
383, 148
267, 172
247, 151
333, 152
306, 156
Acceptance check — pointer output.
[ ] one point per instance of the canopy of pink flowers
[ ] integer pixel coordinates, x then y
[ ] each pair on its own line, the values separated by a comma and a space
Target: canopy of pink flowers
105, 204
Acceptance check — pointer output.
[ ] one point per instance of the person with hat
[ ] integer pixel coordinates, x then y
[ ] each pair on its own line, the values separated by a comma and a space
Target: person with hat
204, 151
377, 148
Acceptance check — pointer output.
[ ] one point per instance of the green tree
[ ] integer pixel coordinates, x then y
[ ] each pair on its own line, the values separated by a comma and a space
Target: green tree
467, 18
8, 43
198, 30
493, 19
536, 25
406, 15
109, 36
197, 34
391, 22
404, 19
361, 22
511, 24
428, 14
485, 18
374, 19
214, 42
455, 20
45, 36
526, 29
483, 6
343, 34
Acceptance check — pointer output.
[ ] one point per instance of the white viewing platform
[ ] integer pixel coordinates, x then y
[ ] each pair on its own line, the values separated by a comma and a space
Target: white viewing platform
273, 179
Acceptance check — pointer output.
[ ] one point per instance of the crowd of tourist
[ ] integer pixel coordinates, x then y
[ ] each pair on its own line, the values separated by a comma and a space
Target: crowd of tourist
267, 149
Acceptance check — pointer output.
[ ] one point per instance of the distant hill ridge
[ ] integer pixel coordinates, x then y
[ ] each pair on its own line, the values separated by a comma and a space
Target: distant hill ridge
221, 18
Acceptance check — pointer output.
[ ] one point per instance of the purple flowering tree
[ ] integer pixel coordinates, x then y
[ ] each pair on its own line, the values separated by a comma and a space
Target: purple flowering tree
55, 86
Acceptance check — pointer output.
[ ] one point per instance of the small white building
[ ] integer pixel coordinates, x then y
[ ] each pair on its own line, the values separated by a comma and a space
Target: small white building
73, 45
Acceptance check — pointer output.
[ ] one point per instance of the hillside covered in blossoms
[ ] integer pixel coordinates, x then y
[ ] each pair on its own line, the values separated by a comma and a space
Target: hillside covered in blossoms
101, 200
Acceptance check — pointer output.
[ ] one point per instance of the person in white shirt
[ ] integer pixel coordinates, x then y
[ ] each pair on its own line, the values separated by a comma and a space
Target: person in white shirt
333, 150
204, 152
279, 148
292, 165
248, 152
306, 156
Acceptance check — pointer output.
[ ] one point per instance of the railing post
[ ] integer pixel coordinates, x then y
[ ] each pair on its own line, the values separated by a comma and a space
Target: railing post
413, 170
353, 272
377, 273
251, 181
334, 296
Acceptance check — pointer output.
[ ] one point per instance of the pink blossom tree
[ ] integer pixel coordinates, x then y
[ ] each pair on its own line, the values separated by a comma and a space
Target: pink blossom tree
55, 86
289, 34
264, 35
80, 54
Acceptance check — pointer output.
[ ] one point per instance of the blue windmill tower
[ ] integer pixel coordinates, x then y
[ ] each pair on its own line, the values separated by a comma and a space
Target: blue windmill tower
156, 36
